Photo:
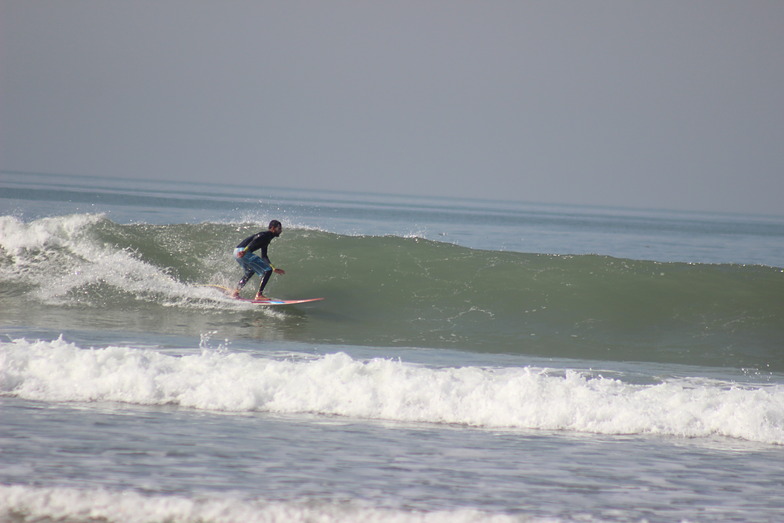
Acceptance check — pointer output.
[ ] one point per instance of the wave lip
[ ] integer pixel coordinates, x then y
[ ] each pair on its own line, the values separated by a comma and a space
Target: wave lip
337, 384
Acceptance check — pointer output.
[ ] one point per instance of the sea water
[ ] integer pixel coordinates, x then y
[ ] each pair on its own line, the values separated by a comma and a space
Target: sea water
472, 360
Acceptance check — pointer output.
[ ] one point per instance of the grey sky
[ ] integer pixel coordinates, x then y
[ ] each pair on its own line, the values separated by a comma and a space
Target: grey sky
660, 104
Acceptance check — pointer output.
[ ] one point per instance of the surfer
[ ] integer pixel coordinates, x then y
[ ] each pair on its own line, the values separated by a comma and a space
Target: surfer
252, 263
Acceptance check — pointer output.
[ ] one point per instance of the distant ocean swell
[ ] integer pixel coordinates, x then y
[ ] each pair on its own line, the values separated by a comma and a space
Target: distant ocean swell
384, 389
395, 291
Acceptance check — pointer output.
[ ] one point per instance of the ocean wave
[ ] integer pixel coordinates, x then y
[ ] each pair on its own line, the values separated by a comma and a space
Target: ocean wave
407, 291
383, 389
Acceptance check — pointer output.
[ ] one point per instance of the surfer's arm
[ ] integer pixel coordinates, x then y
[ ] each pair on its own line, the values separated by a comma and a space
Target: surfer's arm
274, 269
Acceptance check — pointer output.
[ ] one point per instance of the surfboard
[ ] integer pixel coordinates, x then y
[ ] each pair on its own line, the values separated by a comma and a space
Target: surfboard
268, 301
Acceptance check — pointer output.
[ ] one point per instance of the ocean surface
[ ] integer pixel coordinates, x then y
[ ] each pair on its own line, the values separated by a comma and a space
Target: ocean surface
472, 360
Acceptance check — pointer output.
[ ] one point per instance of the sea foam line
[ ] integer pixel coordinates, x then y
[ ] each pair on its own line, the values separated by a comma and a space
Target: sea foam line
337, 384
23, 503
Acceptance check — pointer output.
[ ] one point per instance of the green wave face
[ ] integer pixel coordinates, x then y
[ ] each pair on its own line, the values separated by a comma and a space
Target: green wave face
392, 291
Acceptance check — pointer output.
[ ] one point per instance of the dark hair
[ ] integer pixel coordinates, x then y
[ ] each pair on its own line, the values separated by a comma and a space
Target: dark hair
274, 223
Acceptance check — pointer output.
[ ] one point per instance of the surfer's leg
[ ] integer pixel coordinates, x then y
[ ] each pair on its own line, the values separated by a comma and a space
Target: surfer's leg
248, 275
240, 284
249, 272
264, 280
255, 264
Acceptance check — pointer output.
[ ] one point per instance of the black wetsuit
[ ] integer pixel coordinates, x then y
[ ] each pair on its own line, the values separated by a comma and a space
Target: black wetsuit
258, 241
253, 243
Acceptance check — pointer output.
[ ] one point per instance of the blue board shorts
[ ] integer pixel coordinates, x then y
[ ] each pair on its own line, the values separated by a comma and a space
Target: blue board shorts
252, 262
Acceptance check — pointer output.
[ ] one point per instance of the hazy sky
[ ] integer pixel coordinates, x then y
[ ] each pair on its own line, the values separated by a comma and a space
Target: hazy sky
659, 104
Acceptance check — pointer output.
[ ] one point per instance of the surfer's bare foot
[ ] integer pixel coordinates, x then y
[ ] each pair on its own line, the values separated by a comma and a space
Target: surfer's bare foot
236, 293
260, 297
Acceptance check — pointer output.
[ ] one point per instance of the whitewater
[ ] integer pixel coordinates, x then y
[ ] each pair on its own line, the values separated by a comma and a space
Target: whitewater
471, 361
386, 389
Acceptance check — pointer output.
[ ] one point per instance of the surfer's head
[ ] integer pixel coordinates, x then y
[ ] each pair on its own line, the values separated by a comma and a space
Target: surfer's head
276, 227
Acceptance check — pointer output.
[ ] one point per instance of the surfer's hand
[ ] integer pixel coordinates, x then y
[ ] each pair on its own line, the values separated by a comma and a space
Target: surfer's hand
240, 254
280, 271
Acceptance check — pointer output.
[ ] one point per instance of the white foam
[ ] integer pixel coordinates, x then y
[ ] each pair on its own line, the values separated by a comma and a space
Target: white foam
16, 235
337, 384
75, 261
22, 503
